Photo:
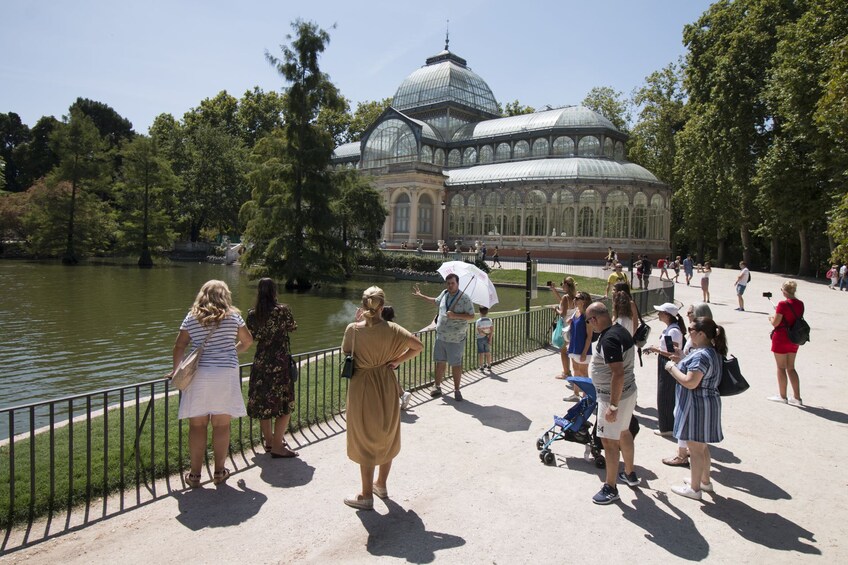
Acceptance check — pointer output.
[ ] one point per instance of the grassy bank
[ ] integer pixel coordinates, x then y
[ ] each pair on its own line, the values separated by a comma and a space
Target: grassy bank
518, 276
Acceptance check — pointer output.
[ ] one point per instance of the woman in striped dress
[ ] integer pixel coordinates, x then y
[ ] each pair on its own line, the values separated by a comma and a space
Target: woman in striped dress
214, 396
697, 412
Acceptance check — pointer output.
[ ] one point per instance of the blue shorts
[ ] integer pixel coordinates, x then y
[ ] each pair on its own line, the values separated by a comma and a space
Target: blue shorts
451, 353
483, 344
740, 289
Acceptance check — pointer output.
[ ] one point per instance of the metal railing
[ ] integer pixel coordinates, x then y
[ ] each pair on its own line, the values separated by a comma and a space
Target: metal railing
62, 453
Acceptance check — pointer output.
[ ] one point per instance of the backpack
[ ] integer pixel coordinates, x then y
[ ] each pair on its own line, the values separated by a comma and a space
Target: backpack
749, 276
799, 331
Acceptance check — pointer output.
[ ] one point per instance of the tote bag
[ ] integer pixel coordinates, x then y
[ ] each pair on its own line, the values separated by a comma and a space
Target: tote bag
184, 373
732, 382
557, 339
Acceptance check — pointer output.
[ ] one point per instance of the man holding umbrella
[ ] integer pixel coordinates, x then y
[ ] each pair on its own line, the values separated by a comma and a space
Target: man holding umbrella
455, 311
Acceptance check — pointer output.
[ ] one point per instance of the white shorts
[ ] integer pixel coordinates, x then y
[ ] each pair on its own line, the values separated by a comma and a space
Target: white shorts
576, 357
612, 430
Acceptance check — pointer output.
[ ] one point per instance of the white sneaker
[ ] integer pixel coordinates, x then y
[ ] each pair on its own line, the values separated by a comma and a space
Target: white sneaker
404, 400
571, 398
687, 491
705, 487
776, 398
587, 453
796, 402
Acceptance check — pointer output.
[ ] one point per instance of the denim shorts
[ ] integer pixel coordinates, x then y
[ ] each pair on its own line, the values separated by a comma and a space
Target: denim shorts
483, 344
740, 289
451, 353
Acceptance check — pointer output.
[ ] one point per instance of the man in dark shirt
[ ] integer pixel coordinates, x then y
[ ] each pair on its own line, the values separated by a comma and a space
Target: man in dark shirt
612, 374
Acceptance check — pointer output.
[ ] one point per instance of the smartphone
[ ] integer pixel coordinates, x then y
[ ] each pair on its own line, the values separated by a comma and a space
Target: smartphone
550, 283
766, 295
669, 344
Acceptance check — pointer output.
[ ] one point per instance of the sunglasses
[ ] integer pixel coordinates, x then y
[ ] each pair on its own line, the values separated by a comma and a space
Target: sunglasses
691, 330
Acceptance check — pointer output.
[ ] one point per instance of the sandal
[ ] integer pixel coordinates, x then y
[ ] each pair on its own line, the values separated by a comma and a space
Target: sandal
562, 376
267, 447
676, 461
220, 476
192, 480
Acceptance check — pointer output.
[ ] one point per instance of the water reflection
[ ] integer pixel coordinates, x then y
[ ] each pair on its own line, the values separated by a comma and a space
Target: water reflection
101, 324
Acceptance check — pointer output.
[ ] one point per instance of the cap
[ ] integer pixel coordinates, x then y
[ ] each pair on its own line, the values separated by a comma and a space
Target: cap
668, 308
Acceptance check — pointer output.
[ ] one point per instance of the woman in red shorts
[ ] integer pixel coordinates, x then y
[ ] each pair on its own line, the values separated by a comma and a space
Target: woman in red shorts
784, 350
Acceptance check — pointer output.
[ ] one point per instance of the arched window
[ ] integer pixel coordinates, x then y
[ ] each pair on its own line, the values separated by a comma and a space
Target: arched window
426, 154
439, 156
391, 142
588, 214
564, 146
521, 150
588, 146
425, 215
640, 216
619, 151
491, 209
616, 215
469, 156
502, 153
656, 218
402, 213
457, 216
609, 147
511, 217
535, 207
486, 154
474, 215
453, 158
540, 147
562, 213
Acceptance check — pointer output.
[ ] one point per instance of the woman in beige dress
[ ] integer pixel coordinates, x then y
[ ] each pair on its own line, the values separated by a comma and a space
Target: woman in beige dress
373, 414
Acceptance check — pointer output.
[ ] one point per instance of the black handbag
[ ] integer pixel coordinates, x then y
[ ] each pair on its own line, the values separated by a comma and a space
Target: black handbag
293, 372
732, 382
347, 364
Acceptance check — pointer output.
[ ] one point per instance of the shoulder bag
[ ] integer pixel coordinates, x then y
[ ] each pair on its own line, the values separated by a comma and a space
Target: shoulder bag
347, 365
643, 332
557, 338
732, 382
182, 376
799, 331
293, 372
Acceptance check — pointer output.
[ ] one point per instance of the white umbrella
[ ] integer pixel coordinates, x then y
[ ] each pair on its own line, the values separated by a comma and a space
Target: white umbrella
472, 281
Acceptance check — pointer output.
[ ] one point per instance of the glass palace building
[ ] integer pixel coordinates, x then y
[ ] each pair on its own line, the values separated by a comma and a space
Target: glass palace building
555, 182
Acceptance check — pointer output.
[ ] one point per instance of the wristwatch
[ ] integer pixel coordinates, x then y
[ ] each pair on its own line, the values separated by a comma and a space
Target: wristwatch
613, 407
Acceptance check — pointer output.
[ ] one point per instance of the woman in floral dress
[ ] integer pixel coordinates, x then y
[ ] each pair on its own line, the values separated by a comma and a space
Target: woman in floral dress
271, 390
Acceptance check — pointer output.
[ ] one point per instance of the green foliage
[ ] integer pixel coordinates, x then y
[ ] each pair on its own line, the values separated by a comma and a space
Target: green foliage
258, 114
113, 128
365, 115
35, 157
83, 164
291, 219
360, 213
514, 108
610, 104
46, 220
13, 134
145, 196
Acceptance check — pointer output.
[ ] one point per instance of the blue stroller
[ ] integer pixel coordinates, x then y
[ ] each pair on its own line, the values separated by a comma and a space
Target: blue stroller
574, 426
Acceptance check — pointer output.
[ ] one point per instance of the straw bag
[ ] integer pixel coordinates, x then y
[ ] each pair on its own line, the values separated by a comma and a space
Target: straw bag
184, 373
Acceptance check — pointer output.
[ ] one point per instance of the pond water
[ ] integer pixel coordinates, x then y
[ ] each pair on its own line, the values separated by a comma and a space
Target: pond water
101, 324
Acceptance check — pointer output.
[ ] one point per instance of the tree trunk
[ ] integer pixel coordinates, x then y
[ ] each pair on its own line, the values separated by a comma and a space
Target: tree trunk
70, 256
721, 251
701, 245
745, 234
145, 261
804, 266
774, 254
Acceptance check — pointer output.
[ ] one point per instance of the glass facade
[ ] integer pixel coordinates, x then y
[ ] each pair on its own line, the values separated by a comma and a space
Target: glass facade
393, 141
402, 213
564, 145
540, 147
502, 153
588, 146
486, 154
442, 82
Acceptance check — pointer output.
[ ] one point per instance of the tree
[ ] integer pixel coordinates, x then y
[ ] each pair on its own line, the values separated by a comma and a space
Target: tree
2, 174
258, 114
145, 194
13, 134
81, 154
514, 108
113, 128
220, 112
36, 158
610, 104
47, 212
360, 213
290, 219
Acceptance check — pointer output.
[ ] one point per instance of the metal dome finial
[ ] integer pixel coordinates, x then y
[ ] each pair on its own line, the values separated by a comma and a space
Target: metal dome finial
447, 35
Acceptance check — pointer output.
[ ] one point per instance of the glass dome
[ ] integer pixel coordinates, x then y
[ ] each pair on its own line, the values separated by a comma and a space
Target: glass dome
444, 79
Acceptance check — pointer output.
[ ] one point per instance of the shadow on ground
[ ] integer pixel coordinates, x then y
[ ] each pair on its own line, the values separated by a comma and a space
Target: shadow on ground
218, 507
401, 533
284, 472
668, 528
498, 417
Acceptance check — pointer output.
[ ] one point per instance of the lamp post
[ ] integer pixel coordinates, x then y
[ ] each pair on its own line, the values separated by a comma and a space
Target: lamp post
444, 222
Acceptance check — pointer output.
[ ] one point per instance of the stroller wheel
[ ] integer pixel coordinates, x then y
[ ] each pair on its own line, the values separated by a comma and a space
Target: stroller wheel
540, 443
549, 458
600, 462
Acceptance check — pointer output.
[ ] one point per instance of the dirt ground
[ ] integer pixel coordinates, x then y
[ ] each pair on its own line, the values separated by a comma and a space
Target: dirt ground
468, 485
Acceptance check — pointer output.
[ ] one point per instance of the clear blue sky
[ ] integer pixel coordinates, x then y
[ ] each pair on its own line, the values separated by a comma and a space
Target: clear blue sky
148, 57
